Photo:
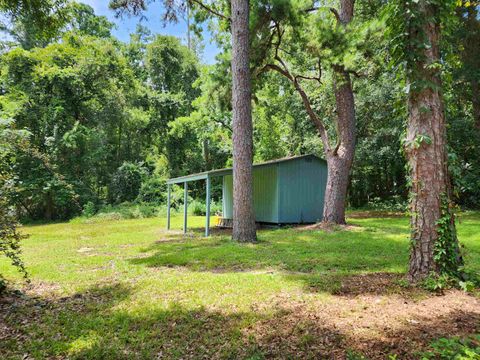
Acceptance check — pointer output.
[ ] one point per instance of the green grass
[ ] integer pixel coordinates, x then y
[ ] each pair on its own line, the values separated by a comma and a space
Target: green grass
129, 289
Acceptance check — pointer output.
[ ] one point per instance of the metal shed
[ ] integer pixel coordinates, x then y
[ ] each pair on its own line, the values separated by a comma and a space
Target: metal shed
285, 191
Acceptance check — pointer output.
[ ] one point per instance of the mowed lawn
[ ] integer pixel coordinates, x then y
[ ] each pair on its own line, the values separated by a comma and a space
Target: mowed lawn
129, 289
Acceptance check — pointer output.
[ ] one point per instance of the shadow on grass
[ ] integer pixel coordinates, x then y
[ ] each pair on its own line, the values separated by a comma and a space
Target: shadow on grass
318, 259
94, 325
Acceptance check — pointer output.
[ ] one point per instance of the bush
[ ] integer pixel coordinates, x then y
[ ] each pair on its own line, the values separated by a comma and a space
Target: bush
454, 348
153, 190
199, 208
126, 211
126, 183
89, 209
395, 203
10, 239
106, 216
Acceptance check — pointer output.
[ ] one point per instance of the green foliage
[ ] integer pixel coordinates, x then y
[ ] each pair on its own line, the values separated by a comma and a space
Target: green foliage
153, 190
396, 203
76, 106
198, 208
87, 113
89, 209
439, 282
10, 237
454, 348
82, 19
125, 210
405, 17
126, 183
446, 252
378, 173
89, 103
33, 22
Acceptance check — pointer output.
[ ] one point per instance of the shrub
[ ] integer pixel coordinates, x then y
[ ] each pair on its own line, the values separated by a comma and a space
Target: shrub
467, 282
126, 183
125, 211
153, 190
197, 208
106, 217
89, 209
176, 197
395, 203
10, 239
454, 348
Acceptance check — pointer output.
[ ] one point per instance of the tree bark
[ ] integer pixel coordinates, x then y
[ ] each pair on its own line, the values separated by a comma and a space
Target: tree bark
244, 229
340, 158
476, 102
426, 149
468, 15
471, 54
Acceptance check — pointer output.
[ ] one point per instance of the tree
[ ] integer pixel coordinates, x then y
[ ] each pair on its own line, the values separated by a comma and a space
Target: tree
324, 46
126, 183
244, 229
340, 158
33, 22
469, 35
434, 240
80, 103
11, 142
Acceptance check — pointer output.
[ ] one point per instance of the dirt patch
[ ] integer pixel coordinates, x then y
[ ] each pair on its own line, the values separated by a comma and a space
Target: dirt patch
42, 289
376, 326
85, 250
376, 284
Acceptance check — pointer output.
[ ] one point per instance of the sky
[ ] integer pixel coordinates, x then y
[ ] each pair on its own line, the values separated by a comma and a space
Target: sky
127, 25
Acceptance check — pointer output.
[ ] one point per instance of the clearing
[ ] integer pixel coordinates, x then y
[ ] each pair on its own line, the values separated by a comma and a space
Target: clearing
128, 289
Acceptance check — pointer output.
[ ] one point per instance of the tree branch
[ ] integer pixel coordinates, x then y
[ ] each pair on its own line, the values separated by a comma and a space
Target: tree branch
307, 78
294, 79
332, 10
224, 124
305, 99
313, 116
210, 10
337, 15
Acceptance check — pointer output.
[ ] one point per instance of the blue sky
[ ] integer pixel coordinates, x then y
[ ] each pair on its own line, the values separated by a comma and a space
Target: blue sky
127, 25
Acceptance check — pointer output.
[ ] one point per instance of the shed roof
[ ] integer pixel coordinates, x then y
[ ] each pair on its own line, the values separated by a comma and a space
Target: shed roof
228, 171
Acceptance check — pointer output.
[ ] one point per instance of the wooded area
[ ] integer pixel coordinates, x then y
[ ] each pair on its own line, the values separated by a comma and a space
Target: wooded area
387, 92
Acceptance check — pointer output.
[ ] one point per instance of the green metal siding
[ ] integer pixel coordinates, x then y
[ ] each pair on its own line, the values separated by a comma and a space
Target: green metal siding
287, 192
265, 194
302, 185
227, 197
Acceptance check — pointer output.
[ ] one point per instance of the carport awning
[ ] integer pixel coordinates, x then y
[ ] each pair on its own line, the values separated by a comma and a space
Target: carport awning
222, 172
207, 175
200, 176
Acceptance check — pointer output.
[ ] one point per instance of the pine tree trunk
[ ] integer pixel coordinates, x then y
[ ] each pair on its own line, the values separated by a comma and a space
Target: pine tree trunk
476, 102
244, 229
340, 159
468, 15
336, 190
426, 151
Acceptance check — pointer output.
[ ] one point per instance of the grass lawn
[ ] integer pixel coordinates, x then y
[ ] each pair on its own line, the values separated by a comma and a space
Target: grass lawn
129, 289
